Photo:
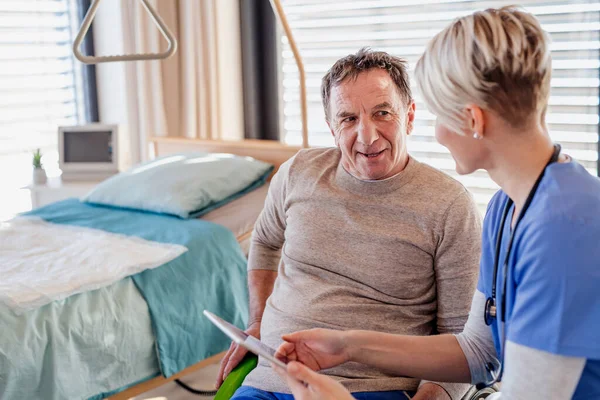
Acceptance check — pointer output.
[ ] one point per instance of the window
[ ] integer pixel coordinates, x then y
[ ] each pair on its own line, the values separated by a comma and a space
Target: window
41, 88
327, 30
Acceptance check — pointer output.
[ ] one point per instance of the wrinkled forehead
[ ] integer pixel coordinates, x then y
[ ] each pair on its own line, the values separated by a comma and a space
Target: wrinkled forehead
367, 89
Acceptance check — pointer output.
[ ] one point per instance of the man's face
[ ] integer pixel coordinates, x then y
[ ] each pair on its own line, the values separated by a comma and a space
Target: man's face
370, 122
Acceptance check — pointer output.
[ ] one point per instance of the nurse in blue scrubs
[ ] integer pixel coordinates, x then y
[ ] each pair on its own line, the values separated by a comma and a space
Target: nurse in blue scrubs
535, 318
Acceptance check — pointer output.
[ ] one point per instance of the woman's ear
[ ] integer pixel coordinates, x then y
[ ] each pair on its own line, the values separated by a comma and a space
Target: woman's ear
475, 120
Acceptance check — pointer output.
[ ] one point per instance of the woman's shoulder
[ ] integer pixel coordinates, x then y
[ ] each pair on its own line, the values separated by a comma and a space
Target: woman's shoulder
570, 194
562, 227
494, 210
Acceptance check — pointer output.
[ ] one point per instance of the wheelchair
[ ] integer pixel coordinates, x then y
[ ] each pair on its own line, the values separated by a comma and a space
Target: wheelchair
236, 377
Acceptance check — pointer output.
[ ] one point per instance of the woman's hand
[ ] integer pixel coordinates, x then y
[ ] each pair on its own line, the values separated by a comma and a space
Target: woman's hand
316, 348
309, 385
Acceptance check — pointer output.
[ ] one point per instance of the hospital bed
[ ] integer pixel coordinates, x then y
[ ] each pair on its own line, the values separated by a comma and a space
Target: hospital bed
141, 344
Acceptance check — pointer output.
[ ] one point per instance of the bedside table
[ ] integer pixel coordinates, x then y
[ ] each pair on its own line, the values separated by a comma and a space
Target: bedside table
55, 190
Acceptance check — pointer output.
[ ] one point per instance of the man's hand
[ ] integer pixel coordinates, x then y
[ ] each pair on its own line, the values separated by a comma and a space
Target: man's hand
316, 348
235, 354
431, 391
309, 385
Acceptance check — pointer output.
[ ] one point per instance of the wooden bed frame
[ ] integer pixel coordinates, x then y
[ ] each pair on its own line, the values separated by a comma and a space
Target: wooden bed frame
160, 380
272, 152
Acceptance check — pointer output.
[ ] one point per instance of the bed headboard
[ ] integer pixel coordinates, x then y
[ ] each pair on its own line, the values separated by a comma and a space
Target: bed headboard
269, 151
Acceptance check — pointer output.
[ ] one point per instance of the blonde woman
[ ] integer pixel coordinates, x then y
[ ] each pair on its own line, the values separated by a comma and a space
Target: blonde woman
535, 317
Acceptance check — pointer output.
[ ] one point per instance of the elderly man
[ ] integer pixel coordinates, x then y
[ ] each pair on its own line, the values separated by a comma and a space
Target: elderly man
361, 236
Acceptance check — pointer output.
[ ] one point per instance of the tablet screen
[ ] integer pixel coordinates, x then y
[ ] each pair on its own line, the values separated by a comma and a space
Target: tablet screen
243, 339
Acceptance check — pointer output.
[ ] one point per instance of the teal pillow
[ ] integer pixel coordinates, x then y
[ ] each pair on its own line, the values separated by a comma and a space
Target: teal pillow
186, 185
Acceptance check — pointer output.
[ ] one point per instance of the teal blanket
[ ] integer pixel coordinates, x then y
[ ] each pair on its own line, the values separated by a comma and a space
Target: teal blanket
210, 275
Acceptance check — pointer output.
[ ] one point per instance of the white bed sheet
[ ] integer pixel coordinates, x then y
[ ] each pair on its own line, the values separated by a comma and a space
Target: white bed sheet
240, 215
43, 262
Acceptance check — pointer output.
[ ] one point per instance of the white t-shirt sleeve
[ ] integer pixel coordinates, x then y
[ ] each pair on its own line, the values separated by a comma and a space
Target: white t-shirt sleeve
477, 343
536, 374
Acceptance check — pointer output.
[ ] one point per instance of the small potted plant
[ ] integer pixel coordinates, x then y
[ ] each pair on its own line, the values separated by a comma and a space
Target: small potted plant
39, 174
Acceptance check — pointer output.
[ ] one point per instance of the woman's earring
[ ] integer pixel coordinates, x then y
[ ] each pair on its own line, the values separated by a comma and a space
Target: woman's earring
477, 136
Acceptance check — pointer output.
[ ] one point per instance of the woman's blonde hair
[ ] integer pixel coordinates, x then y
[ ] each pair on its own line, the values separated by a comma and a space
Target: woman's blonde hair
498, 59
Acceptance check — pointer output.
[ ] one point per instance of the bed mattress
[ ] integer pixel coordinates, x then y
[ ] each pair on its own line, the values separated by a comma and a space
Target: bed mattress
240, 215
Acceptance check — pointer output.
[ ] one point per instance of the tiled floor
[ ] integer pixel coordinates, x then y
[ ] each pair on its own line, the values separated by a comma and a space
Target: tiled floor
203, 379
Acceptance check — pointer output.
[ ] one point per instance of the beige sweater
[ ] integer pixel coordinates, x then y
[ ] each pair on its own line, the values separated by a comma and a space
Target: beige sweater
399, 255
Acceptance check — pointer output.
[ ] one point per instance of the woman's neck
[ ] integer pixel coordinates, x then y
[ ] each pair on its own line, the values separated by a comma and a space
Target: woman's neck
518, 163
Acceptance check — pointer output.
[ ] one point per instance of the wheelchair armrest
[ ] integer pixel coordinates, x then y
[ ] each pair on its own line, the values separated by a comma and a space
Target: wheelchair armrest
474, 394
236, 377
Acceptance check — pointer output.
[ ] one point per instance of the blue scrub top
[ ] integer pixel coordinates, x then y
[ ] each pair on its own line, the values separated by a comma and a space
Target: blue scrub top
553, 286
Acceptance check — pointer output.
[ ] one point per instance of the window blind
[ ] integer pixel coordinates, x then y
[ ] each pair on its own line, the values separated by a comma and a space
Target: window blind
40, 86
327, 30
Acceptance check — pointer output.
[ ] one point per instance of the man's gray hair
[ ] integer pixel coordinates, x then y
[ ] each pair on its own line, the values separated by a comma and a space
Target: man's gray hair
366, 59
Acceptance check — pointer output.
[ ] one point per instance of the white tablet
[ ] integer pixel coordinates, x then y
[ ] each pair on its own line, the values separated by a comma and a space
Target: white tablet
243, 339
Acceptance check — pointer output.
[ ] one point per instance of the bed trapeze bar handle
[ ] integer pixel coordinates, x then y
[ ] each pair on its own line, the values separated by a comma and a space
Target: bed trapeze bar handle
162, 27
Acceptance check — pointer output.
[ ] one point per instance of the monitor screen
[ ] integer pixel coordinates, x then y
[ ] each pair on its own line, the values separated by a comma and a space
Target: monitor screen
88, 147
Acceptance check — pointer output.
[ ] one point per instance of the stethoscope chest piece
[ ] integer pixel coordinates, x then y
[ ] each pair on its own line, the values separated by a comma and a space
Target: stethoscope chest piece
490, 311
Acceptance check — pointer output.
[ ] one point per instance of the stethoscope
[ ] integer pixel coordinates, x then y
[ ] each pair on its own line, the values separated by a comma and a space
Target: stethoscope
490, 304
